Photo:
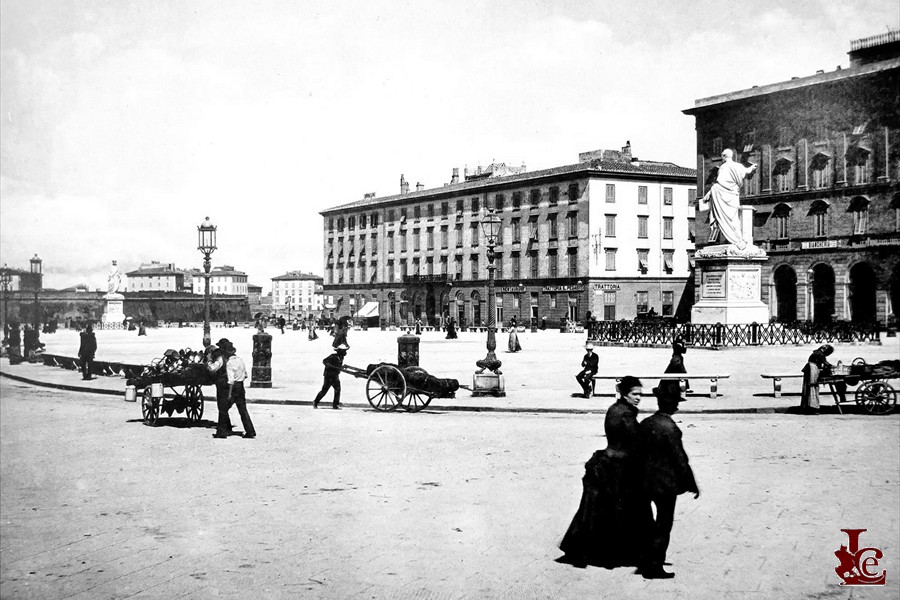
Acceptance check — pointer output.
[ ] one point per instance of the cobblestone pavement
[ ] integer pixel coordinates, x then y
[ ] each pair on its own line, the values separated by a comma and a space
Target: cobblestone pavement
358, 504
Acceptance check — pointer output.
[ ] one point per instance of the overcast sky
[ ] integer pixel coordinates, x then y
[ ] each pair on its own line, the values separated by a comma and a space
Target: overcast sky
125, 123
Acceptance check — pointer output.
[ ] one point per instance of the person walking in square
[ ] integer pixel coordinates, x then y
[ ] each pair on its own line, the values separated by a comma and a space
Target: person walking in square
312, 329
331, 376
666, 474
235, 373
612, 519
513, 345
87, 350
590, 364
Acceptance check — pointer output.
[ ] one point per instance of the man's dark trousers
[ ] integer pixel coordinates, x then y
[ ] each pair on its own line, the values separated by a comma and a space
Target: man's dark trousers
586, 380
661, 529
223, 427
239, 399
331, 381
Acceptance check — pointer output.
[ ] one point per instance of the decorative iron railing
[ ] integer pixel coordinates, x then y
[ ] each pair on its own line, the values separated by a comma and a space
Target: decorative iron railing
718, 335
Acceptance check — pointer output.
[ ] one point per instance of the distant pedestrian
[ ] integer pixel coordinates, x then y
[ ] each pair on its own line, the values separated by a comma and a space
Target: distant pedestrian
612, 519
142, 329
543, 323
312, 329
590, 364
281, 323
235, 373
451, 329
331, 376
513, 344
418, 326
87, 350
666, 474
676, 365
341, 328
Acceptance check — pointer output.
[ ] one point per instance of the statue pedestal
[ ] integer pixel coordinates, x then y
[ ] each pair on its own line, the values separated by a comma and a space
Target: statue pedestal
115, 308
730, 286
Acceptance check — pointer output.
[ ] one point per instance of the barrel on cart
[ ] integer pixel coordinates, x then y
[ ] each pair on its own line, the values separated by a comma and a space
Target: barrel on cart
389, 387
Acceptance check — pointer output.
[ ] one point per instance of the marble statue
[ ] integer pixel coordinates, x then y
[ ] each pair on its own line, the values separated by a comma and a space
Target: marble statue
723, 199
114, 281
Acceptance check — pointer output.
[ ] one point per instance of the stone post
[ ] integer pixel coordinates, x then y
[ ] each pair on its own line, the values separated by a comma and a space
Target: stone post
261, 375
408, 351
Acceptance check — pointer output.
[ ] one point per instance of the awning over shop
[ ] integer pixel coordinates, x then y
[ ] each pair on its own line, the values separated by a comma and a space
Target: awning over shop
369, 310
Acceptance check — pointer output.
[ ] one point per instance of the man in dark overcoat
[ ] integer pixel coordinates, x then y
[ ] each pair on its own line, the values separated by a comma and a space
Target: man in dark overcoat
666, 474
86, 351
590, 364
331, 376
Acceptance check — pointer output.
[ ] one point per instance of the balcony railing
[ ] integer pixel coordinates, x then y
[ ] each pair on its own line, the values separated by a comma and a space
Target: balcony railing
438, 278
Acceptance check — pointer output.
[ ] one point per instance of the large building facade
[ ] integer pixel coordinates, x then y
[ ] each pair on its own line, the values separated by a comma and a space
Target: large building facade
827, 192
224, 279
297, 294
156, 276
610, 235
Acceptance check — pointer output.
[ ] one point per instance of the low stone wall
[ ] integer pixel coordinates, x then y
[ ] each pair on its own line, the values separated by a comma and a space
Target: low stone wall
84, 307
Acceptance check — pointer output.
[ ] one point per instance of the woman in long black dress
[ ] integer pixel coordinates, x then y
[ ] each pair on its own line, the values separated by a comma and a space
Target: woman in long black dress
611, 520
676, 365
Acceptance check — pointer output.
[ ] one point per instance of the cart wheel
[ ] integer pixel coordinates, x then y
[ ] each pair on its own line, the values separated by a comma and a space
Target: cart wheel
858, 361
149, 407
385, 388
877, 397
415, 400
193, 394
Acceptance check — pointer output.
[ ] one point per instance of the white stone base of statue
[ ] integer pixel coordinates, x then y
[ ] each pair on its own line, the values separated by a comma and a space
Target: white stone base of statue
115, 308
730, 286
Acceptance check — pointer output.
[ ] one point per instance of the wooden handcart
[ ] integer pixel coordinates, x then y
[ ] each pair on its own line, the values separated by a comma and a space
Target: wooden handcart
874, 394
389, 387
177, 369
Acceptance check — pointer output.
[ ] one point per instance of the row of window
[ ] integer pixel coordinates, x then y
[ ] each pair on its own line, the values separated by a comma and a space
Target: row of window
642, 304
519, 266
517, 200
516, 228
643, 227
859, 209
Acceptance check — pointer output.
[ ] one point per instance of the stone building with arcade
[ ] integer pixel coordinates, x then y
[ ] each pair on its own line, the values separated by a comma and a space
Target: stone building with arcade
610, 235
826, 194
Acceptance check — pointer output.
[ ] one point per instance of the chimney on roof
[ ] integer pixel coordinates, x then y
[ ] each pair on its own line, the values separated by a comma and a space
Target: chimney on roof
420, 186
455, 177
368, 195
626, 150
404, 185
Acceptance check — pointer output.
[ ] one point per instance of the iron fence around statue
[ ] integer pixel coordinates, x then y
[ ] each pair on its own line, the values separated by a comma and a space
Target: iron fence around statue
646, 333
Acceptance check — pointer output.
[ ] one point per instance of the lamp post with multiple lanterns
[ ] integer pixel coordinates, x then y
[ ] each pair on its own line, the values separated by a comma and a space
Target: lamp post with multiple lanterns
36, 275
206, 244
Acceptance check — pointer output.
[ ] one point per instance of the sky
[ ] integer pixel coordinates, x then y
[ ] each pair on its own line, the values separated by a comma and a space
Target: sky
123, 124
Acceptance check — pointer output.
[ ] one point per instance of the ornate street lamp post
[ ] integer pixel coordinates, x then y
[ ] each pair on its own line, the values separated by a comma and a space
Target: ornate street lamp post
521, 302
206, 244
5, 279
493, 384
37, 272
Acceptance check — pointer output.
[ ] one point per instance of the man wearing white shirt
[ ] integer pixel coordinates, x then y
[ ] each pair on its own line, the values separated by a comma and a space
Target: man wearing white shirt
233, 392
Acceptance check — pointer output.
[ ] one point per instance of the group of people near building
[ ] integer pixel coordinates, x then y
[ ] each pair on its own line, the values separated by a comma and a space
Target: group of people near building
642, 471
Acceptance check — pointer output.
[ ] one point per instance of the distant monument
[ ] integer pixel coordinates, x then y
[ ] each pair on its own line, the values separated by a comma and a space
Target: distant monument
114, 312
730, 274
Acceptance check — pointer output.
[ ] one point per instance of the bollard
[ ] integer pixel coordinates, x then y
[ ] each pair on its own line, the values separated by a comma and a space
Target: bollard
261, 375
408, 351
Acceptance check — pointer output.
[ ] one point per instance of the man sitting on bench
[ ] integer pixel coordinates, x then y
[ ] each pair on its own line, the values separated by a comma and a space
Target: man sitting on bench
590, 365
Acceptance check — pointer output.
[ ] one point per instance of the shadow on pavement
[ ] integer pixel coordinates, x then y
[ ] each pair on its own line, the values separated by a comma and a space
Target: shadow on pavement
179, 423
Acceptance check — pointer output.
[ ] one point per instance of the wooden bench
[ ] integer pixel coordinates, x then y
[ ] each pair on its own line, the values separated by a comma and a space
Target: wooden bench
776, 380
682, 377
